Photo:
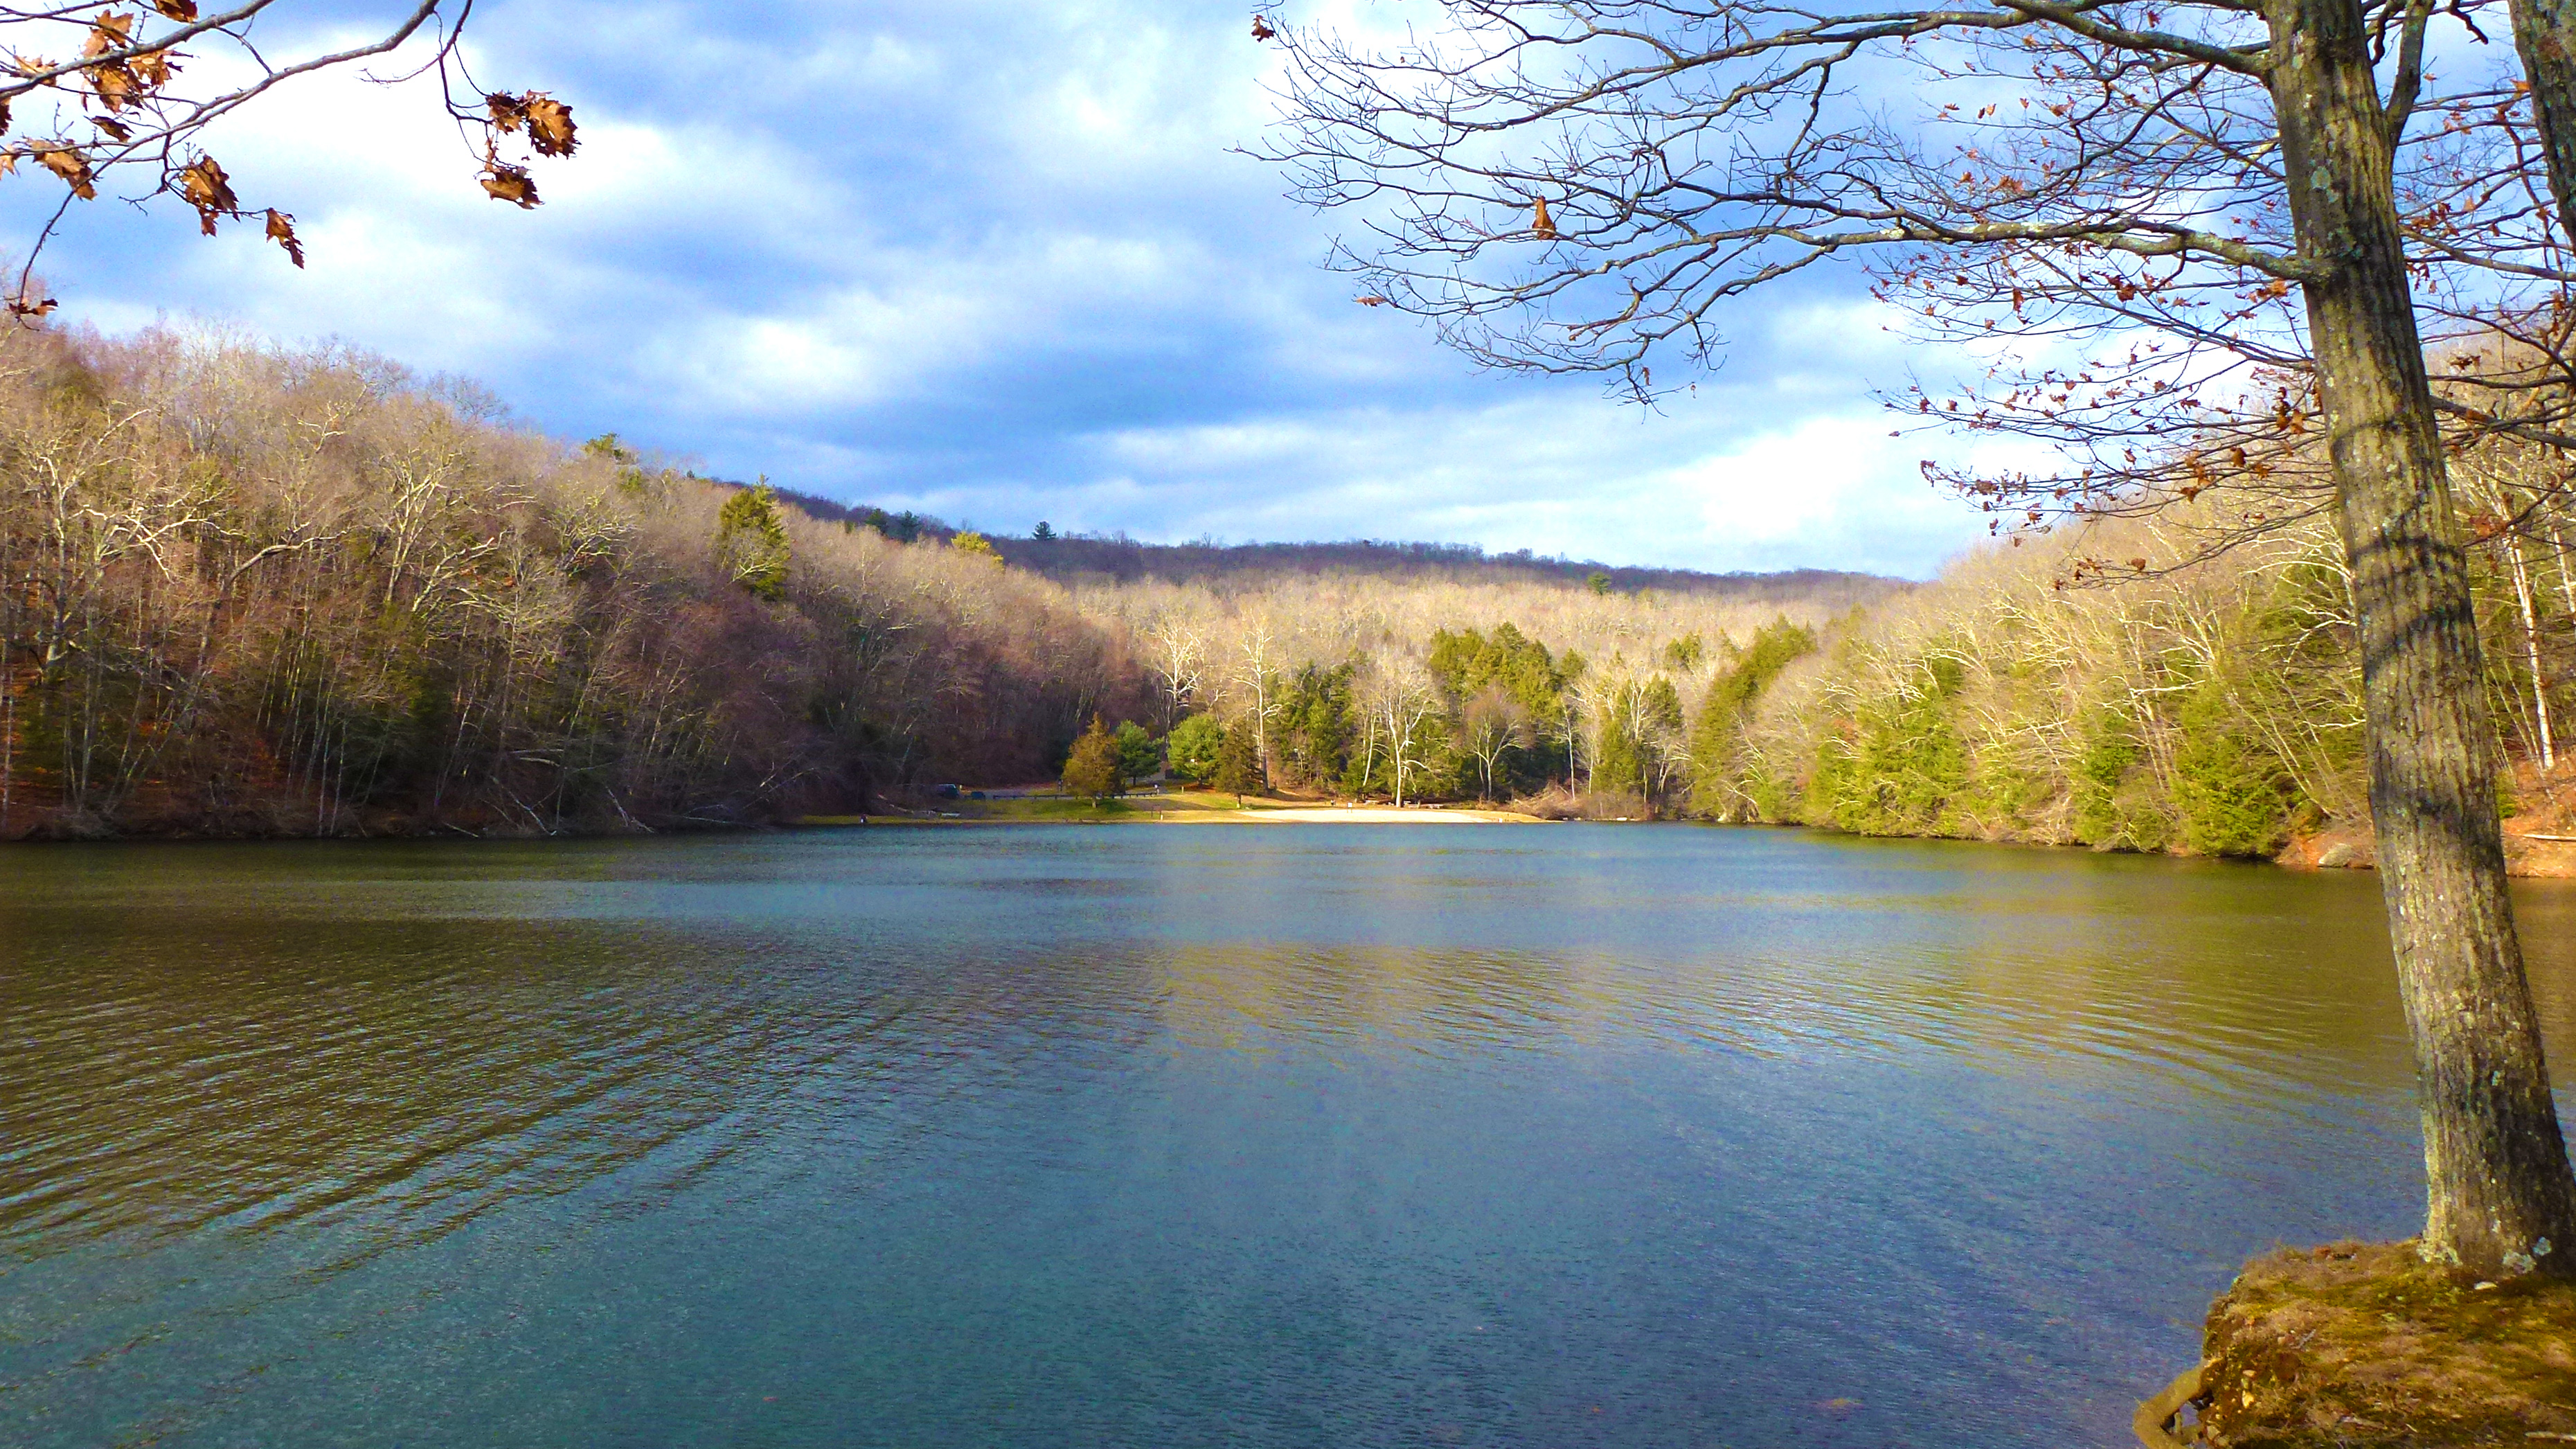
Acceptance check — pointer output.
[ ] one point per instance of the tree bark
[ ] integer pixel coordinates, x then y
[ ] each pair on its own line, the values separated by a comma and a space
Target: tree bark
2500, 1200
2544, 33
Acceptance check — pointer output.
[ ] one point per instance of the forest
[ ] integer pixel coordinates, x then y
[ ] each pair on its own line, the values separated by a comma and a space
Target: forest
261, 591
264, 591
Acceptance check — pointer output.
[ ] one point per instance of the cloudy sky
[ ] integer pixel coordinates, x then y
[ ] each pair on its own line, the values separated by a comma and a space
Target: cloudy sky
997, 262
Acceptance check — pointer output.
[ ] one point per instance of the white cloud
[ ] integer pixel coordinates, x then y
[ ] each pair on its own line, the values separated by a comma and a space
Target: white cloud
997, 261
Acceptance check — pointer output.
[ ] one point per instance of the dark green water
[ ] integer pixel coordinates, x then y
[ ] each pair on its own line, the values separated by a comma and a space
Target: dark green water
1293, 1136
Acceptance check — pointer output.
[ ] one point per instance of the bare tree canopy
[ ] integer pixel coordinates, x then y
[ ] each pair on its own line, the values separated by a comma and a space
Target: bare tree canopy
2196, 240
92, 98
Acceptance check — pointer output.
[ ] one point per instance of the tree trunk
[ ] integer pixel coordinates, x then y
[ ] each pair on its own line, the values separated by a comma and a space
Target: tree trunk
2544, 33
2531, 647
2500, 1197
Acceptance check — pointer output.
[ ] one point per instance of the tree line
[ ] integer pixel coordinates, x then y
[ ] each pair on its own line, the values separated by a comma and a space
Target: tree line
2196, 700
248, 590
263, 591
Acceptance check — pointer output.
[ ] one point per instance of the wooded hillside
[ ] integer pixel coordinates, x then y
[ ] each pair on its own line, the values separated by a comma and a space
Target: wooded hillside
276, 592
254, 591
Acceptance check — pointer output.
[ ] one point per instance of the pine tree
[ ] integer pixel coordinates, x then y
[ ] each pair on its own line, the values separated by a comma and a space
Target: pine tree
1238, 765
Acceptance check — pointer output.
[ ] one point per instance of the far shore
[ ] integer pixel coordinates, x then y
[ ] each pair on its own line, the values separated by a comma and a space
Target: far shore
1378, 815
1179, 807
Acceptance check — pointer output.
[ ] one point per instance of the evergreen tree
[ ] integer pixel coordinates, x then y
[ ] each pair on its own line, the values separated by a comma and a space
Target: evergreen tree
1238, 764
1092, 769
751, 541
1193, 746
1140, 755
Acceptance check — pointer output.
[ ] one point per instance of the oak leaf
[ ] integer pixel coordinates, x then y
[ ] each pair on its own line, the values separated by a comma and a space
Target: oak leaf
281, 230
30, 307
510, 183
114, 84
1261, 26
203, 185
183, 11
548, 121
108, 32
550, 128
69, 164
1542, 225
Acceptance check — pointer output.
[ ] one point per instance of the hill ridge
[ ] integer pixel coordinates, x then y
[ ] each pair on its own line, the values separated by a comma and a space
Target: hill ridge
1066, 557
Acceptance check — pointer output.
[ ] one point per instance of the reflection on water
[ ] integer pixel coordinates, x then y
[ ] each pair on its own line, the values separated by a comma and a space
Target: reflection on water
1310, 1136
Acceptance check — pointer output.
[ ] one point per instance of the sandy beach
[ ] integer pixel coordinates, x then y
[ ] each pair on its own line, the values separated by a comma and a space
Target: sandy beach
1381, 815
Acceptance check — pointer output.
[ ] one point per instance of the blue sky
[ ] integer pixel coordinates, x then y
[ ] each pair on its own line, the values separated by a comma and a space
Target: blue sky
997, 262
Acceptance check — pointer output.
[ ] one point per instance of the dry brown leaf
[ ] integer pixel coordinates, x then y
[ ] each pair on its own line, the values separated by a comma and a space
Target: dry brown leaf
183, 11
506, 110
550, 128
116, 130
1542, 225
281, 230
509, 183
203, 185
72, 166
1261, 26
108, 32
114, 84
30, 307
153, 68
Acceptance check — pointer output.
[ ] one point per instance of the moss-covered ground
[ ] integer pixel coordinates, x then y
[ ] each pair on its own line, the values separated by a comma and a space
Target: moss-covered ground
2366, 1344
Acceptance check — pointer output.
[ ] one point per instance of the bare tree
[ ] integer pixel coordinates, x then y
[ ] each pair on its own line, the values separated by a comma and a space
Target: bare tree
118, 103
1400, 697
2504, 485
1258, 647
2138, 191
1176, 655
1495, 721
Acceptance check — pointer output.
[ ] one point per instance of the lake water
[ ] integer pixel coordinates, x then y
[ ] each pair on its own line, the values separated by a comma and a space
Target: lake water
1294, 1136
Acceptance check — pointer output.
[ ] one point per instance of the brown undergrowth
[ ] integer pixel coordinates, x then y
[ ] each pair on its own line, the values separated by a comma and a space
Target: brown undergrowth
2366, 1344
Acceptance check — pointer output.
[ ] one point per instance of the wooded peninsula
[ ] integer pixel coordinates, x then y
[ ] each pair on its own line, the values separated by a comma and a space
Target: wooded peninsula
255, 591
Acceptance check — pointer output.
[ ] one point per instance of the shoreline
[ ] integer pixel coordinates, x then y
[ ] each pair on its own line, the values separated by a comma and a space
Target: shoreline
1175, 809
2529, 855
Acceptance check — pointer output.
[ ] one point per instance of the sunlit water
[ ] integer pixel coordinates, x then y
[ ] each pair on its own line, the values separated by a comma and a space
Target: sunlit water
1294, 1136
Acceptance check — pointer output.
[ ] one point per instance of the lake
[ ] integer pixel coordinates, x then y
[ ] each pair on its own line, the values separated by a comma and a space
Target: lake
1264, 1135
